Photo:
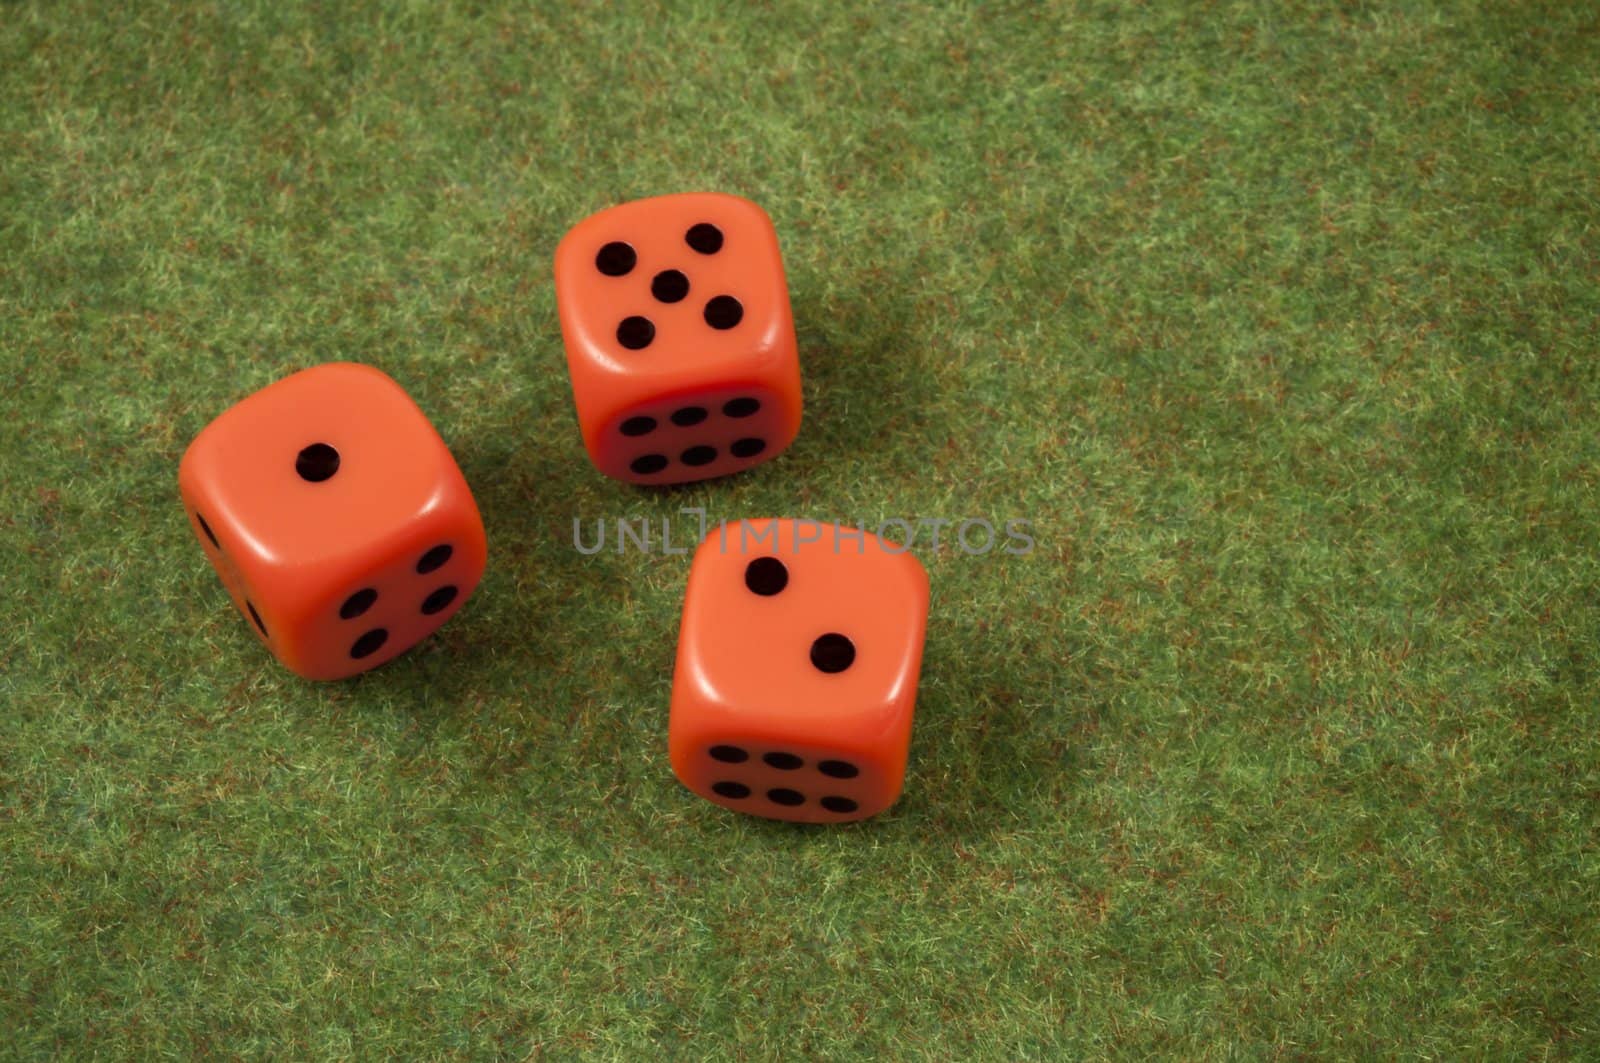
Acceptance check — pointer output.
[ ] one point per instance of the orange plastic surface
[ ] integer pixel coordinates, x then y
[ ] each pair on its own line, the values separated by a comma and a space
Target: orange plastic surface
756, 725
298, 555
688, 367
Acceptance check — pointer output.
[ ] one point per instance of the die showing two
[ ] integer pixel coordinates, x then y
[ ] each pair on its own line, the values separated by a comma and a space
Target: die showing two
345, 533
797, 670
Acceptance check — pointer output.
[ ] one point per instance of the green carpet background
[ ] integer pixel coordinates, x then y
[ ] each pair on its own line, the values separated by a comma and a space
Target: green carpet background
1277, 321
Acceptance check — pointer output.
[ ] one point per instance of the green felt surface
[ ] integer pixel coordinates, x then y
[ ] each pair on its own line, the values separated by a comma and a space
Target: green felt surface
1278, 321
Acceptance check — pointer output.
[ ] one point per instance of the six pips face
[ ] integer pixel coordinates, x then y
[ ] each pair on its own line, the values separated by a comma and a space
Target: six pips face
720, 427
783, 777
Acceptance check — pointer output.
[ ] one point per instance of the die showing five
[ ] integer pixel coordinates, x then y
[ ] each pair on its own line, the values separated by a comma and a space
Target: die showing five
679, 337
796, 675
336, 517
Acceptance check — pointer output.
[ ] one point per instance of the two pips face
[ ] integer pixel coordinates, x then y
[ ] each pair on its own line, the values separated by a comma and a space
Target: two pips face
797, 666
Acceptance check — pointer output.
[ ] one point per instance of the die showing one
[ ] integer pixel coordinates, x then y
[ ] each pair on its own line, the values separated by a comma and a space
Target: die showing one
679, 336
796, 676
336, 517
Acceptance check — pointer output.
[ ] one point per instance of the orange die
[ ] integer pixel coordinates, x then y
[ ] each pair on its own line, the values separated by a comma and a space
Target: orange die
797, 670
680, 340
336, 518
